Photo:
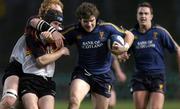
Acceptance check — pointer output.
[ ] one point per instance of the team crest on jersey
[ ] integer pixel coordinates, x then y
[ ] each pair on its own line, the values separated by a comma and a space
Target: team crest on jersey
101, 35
155, 35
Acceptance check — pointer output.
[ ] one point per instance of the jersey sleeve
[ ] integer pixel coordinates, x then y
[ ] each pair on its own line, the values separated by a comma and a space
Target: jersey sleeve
113, 29
35, 47
70, 34
168, 41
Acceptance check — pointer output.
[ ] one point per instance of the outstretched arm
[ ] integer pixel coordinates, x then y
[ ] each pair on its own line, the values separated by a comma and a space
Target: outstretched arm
51, 57
118, 71
44, 54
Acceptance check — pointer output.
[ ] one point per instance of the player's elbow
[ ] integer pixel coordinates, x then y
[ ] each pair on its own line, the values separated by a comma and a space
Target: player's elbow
34, 22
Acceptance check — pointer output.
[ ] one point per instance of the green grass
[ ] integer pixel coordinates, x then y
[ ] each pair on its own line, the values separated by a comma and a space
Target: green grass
120, 105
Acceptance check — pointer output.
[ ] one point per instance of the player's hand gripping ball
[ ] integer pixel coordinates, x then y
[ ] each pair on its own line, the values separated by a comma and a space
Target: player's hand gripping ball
116, 44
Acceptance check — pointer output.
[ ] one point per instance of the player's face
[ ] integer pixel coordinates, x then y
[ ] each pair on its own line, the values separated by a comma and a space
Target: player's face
144, 16
88, 24
56, 25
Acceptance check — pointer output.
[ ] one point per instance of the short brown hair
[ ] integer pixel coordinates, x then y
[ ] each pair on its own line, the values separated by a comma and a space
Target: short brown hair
146, 4
85, 10
46, 5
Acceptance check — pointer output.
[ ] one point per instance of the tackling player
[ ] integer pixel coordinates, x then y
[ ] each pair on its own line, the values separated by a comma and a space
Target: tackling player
14, 69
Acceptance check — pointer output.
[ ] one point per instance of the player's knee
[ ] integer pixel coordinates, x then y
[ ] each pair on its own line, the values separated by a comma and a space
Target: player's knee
74, 101
9, 98
8, 102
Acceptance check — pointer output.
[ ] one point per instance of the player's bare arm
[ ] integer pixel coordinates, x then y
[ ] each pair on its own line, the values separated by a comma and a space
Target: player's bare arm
42, 25
129, 38
121, 76
51, 57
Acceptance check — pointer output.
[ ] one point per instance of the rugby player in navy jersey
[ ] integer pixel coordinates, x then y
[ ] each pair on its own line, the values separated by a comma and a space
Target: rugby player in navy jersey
93, 72
14, 69
148, 81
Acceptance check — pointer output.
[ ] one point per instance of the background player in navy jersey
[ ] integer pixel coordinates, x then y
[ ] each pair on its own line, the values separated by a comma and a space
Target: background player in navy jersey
14, 69
92, 73
148, 81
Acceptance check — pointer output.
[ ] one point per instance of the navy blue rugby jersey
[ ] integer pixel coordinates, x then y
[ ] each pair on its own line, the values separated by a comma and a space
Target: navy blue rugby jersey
148, 49
93, 51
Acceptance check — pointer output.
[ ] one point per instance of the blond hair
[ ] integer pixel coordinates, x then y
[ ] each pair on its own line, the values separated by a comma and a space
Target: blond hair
46, 5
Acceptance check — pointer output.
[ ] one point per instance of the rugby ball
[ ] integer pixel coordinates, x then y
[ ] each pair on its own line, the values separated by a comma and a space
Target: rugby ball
116, 39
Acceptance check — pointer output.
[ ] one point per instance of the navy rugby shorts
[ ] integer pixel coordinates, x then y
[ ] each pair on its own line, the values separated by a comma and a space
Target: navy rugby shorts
150, 83
100, 84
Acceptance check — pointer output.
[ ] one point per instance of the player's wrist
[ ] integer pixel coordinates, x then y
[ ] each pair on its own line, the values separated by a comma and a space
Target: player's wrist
44, 26
126, 46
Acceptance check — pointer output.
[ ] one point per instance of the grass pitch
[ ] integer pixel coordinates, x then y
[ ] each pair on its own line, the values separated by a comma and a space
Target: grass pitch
127, 104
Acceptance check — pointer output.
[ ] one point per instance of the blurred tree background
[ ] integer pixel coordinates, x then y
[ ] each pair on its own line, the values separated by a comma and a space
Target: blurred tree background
14, 14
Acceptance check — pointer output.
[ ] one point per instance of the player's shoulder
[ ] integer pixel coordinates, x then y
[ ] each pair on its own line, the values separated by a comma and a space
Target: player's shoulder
109, 26
159, 28
106, 24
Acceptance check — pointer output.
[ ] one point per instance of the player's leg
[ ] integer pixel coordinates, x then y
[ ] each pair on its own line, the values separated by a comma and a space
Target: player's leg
112, 100
79, 87
140, 91
100, 101
10, 85
27, 90
78, 90
9, 96
141, 99
46, 102
156, 100
101, 89
46, 94
158, 88
30, 101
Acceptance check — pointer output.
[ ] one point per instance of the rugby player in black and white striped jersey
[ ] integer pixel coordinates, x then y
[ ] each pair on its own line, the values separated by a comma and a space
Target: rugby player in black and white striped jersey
18, 56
